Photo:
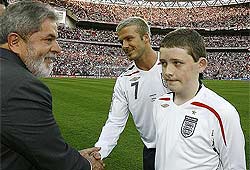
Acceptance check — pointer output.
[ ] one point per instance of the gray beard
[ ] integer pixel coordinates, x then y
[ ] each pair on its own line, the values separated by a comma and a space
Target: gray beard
37, 67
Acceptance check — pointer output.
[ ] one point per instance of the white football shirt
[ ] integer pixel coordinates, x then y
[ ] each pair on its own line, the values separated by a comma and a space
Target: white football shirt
201, 134
134, 92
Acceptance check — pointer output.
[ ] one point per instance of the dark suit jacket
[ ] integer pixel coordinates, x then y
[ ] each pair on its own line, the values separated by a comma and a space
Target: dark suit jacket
30, 137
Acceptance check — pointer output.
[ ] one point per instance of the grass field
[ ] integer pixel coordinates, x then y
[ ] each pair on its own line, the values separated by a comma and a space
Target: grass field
81, 107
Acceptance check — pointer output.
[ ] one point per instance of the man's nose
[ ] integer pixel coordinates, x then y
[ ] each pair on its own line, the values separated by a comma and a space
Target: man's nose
125, 44
56, 48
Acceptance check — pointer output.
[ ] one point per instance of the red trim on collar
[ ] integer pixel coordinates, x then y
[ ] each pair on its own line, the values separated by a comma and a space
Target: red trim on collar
216, 115
166, 99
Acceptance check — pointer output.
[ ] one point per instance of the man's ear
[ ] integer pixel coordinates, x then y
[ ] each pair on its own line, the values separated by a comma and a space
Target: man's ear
146, 37
202, 64
15, 42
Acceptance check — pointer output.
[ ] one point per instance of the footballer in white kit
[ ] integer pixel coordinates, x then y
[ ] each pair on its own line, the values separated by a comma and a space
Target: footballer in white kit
201, 134
134, 92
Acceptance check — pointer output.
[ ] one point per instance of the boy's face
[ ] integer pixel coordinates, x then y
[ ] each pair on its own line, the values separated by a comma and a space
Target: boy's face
180, 70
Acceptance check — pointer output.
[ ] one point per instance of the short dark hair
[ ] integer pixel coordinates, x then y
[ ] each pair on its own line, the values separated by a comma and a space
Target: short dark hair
188, 39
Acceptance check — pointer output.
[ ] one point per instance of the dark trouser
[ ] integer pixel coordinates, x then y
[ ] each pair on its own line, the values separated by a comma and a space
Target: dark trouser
148, 158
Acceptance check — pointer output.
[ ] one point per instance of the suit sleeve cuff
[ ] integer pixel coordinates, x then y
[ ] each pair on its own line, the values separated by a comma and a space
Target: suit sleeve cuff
90, 165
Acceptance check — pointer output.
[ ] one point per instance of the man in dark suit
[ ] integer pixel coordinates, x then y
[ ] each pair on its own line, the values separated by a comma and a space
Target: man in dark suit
30, 137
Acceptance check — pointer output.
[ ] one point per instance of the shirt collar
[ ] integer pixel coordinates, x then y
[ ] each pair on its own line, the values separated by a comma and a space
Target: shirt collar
11, 56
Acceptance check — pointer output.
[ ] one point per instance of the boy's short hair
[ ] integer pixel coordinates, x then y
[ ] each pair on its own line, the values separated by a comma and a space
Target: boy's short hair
188, 39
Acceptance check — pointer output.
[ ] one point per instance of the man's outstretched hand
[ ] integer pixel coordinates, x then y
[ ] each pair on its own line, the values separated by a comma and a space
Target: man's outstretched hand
94, 157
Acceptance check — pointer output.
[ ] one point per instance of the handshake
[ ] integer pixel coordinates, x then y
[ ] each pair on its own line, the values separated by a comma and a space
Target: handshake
94, 157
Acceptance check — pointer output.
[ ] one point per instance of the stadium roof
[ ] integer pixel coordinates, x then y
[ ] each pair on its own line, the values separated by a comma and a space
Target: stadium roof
172, 3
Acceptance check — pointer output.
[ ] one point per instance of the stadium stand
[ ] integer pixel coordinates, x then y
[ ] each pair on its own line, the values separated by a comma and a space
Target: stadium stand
79, 59
88, 60
106, 36
201, 17
91, 49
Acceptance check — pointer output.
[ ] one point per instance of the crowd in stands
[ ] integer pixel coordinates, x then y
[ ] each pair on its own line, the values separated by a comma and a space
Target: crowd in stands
198, 17
81, 59
228, 65
96, 53
87, 35
111, 37
215, 41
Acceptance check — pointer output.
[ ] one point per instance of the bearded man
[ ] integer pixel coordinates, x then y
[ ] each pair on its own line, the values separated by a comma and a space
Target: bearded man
30, 137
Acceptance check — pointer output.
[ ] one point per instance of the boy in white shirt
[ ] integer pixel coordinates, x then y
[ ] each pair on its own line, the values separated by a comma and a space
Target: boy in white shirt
196, 129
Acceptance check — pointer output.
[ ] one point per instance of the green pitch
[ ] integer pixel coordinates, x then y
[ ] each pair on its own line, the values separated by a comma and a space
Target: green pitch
81, 107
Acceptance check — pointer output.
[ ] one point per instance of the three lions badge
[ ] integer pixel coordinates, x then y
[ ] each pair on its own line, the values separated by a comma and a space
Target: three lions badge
188, 126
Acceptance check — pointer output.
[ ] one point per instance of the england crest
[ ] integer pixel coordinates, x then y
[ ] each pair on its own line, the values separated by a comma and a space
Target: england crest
188, 126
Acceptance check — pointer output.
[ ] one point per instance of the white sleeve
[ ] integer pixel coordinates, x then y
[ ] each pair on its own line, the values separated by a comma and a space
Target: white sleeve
232, 154
115, 124
155, 115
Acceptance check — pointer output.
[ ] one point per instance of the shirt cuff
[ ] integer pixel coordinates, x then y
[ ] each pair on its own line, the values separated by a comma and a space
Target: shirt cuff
90, 165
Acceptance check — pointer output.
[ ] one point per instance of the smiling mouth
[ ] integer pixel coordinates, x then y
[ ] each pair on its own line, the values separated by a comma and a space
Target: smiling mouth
171, 80
51, 58
128, 52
